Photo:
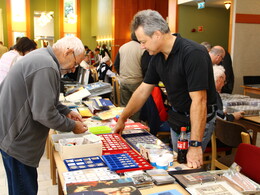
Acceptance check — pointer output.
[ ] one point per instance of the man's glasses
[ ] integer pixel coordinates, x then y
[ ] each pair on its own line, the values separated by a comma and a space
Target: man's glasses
75, 63
222, 58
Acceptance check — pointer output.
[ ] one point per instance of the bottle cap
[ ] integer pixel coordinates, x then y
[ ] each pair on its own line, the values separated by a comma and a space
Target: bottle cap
183, 128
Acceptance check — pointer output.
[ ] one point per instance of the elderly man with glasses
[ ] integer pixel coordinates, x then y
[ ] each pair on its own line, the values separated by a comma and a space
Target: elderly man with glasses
29, 101
217, 54
220, 81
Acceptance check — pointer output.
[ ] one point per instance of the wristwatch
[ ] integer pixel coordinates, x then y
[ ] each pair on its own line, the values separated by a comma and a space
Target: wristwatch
194, 143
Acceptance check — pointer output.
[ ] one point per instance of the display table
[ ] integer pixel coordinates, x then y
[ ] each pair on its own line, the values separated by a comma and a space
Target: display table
61, 168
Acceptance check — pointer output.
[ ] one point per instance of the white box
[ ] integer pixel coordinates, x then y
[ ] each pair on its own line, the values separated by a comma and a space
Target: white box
76, 151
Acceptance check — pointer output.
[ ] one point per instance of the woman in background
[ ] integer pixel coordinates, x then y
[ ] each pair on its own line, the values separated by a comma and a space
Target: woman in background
8, 59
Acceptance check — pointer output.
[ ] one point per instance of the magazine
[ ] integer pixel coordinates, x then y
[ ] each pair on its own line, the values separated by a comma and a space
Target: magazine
119, 186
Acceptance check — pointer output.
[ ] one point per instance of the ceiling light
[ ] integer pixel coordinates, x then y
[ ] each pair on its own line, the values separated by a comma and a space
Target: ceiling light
227, 4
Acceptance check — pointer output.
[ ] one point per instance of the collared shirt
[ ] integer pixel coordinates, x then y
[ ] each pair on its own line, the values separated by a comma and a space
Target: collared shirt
187, 69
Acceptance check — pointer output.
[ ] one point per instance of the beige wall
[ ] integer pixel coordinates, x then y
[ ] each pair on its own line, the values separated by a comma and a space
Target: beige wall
245, 43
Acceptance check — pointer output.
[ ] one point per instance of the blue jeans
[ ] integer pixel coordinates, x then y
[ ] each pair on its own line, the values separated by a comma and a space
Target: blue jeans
22, 179
210, 126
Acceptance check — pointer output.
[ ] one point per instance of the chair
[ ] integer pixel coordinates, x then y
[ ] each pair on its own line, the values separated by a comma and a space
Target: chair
245, 138
94, 74
248, 158
229, 133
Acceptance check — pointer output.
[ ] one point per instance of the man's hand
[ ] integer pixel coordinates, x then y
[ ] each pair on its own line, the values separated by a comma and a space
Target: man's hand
194, 157
80, 127
238, 115
120, 125
74, 116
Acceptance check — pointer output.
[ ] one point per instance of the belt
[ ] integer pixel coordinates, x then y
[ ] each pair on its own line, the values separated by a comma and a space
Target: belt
211, 109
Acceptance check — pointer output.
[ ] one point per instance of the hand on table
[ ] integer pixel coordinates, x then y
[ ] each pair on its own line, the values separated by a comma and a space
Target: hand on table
194, 157
238, 115
80, 127
74, 116
119, 127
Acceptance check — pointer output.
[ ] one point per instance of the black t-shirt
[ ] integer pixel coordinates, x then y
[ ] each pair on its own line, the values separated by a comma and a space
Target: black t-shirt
188, 68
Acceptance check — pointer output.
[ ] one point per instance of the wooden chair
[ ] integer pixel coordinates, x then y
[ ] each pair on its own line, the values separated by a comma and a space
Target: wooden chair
245, 138
94, 74
229, 133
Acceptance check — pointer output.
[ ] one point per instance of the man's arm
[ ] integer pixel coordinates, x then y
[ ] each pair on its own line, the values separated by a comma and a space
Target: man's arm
137, 100
198, 116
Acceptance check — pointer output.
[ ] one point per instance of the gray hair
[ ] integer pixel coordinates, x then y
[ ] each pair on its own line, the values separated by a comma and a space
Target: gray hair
151, 21
207, 45
218, 71
70, 43
217, 50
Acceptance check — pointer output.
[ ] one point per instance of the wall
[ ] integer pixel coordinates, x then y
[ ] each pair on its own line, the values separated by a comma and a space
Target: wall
215, 22
86, 23
50, 5
123, 12
3, 7
245, 43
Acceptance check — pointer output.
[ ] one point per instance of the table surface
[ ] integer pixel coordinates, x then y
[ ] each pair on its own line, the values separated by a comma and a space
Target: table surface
251, 122
254, 89
255, 119
61, 168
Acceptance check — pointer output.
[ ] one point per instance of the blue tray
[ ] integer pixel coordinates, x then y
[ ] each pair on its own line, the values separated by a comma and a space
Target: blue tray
119, 161
74, 164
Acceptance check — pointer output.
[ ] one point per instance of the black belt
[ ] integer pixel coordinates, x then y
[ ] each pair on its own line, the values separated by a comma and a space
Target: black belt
211, 109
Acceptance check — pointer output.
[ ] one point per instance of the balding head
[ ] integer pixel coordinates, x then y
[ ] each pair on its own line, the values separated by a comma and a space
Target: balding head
217, 54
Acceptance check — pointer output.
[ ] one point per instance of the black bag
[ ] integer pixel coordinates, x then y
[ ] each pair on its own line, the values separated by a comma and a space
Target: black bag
178, 120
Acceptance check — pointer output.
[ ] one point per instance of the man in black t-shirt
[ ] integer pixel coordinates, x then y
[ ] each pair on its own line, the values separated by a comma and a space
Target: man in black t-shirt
185, 69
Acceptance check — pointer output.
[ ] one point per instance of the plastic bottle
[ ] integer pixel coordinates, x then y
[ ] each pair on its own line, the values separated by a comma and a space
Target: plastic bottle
182, 146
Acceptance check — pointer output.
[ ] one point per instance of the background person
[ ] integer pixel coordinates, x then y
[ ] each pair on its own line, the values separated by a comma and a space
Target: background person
21, 48
207, 45
217, 54
29, 101
220, 78
128, 66
3, 49
226, 62
185, 69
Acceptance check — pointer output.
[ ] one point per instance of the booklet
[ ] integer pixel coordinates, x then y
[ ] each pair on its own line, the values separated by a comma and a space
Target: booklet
78, 95
119, 186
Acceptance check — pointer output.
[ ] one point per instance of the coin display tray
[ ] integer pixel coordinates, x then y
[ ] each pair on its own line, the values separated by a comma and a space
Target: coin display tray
85, 175
119, 161
140, 161
84, 163
113, 141
144, 138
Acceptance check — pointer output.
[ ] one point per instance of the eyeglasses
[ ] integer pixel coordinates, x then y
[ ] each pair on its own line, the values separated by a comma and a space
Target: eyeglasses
75, 63
222, 58
224, 80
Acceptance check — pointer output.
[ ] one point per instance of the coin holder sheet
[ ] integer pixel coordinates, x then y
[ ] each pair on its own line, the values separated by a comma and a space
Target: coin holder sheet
112, 142
119, 161
136, 140
84, 163
140, 161
96, 174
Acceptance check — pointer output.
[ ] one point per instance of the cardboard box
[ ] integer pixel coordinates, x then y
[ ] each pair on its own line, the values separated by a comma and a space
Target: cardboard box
76, 151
